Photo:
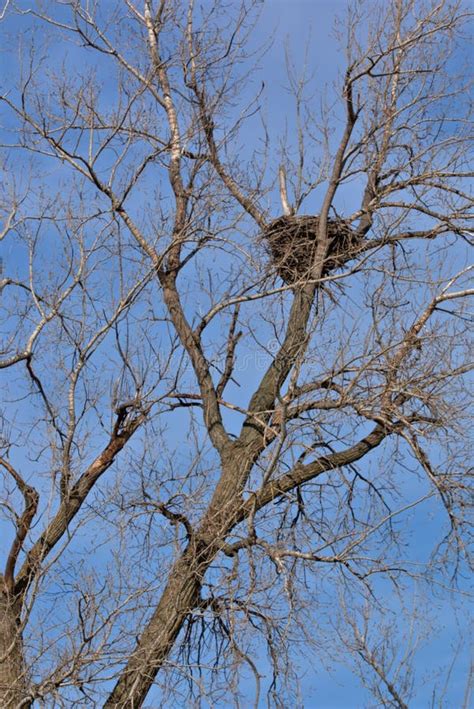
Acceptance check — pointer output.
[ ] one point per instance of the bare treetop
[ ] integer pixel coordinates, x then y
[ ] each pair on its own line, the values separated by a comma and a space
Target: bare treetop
233, 350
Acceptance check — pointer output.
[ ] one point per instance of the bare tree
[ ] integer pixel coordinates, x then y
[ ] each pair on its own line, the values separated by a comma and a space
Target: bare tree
234, 368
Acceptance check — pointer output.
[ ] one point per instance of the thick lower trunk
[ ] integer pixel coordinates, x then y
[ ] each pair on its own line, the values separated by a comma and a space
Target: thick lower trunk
181, 595
12, 676
178, 600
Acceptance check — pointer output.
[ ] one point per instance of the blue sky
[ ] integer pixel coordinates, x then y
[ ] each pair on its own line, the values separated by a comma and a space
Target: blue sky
305, 26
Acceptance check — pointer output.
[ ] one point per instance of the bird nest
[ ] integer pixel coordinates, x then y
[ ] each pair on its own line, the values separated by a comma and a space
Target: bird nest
292, 242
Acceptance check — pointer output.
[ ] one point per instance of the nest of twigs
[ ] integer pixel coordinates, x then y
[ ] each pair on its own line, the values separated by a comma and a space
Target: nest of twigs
292, 242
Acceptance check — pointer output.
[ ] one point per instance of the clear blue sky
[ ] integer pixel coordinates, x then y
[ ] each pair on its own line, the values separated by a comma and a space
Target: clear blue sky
306, 24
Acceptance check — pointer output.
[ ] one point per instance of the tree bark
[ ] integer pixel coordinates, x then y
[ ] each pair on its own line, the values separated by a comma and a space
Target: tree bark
182, 593
180, 597
13, 688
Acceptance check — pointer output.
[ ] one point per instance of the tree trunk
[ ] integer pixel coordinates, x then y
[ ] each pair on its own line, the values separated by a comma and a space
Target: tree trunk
179, 598
13, 692
181, 595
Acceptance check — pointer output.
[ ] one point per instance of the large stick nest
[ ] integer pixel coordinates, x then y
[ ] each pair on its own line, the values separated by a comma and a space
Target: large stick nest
292, 242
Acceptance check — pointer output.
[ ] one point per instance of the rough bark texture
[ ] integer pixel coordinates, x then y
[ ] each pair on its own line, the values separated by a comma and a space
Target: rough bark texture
12, 678
181, 595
